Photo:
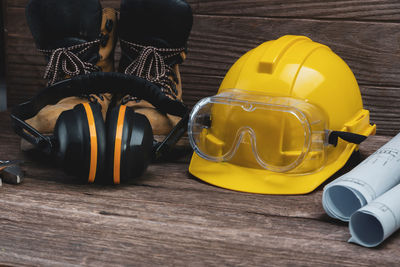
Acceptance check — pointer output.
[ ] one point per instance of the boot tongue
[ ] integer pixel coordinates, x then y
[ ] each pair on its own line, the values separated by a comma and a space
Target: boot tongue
63, 23
158, 23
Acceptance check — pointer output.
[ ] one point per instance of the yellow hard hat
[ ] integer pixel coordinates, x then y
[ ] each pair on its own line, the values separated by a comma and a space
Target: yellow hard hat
287, 116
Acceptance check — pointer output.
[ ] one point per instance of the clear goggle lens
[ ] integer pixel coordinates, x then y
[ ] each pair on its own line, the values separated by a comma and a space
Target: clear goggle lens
275, 133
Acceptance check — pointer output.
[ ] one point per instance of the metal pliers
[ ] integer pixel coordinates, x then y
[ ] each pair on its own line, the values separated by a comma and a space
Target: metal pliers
11, 172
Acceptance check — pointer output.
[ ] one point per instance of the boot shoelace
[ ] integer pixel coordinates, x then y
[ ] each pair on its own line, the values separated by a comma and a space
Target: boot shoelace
65, 61
150, 65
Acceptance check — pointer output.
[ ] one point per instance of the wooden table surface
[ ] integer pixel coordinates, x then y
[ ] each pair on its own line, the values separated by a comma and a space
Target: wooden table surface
167, 218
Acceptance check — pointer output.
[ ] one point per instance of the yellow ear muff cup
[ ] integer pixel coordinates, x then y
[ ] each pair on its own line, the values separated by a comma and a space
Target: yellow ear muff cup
80, 140
129, 144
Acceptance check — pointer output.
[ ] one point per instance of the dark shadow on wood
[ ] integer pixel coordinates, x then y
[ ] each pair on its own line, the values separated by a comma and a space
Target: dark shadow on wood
178, 154
353, 161
3, 94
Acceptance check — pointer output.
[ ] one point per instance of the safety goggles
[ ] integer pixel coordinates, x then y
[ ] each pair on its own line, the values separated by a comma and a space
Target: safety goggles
280, 134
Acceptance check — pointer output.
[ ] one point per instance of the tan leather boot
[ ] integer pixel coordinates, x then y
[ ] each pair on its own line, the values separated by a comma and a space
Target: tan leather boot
87, 44
153, 37
161, 123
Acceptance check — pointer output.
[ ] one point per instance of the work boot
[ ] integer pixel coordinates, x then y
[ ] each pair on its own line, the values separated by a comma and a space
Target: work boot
153, 36
77, 37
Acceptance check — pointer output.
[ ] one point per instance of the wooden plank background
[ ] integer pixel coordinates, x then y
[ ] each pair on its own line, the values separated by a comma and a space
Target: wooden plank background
3, 95
169, 217
365, 33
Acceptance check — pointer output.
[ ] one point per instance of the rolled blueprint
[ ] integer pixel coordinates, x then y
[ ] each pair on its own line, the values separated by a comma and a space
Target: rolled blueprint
375, 222
371, 178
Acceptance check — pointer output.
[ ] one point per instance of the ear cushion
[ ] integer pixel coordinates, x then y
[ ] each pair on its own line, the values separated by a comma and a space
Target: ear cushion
80, 139
129, 144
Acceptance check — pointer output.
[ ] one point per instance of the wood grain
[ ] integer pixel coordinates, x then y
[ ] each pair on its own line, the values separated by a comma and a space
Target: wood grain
105, 3
368, 10
167, 218
3, 89
384, 10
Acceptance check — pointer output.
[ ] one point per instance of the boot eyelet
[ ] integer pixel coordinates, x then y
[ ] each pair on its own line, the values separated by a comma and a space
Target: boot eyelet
104, 39
109, 25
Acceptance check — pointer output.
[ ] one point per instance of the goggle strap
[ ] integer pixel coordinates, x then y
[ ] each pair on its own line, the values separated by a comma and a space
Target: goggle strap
162, 148
346, 136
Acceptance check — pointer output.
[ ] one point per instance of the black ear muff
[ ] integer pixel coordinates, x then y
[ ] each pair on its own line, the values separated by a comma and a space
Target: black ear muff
129, 144
81, 142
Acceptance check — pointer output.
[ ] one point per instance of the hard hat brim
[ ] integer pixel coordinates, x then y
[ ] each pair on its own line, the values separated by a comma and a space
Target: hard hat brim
261, 181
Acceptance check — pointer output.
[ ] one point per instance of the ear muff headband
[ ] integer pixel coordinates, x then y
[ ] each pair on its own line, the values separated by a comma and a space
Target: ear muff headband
93, 83
97, 83
118, 144
93, 143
